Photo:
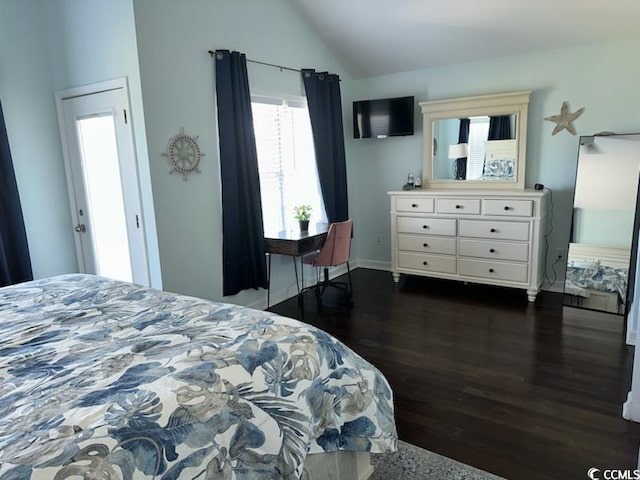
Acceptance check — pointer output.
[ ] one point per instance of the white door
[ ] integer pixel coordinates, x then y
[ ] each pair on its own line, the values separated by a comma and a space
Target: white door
103, 181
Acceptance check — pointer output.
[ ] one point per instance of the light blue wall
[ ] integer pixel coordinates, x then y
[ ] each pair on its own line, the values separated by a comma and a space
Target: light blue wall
601, 78
47, 46
448, 132
28, 102
51, 45
605, 227
178, 89
91, 41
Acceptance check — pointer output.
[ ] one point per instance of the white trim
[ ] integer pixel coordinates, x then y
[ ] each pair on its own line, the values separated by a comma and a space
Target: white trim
140, 257
282, 295
372, 264
296, 101
631, 409
92, 88
66, 155
552, 287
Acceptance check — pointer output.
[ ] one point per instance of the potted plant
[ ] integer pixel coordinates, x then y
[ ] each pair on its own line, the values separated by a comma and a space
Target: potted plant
302, 214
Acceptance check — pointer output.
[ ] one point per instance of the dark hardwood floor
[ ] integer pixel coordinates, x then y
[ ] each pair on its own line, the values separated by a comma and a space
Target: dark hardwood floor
482, 376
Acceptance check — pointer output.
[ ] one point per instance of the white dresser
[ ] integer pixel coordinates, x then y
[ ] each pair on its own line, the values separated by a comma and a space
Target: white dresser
494, 237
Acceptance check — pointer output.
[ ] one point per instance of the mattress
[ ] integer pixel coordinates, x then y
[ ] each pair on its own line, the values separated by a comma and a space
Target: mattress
105, 379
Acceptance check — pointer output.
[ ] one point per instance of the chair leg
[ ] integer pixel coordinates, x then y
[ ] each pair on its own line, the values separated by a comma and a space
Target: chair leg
323, 283
319, 290
317, 287
350, 294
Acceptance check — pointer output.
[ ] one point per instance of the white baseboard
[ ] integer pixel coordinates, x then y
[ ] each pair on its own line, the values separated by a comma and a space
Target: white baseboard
373, 264
282, 295
552, 287
631, 409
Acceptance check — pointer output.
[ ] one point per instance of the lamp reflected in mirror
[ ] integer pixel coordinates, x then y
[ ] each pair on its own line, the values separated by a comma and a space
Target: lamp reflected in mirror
459, 153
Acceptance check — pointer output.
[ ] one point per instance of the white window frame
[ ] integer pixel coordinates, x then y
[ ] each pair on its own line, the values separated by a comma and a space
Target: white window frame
311, 194
476, 157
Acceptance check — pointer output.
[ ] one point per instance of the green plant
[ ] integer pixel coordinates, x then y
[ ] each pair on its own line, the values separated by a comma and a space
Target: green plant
302, 212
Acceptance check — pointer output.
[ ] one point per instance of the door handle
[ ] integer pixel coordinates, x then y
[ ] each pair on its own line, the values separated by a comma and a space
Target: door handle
80, 228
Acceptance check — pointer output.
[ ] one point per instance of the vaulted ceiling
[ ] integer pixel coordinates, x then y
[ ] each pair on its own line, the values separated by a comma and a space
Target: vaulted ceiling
377, 37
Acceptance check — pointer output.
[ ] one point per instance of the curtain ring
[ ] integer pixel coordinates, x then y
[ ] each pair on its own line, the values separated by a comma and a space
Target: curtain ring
219, 55
321, 77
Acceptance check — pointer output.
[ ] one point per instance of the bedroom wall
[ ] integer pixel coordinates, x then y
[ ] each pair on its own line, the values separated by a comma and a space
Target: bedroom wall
29, 107
47, 46
178, 89
91, 41
599, 77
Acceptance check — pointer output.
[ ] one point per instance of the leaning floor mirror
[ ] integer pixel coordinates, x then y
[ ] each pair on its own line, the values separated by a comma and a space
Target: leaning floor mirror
601, 260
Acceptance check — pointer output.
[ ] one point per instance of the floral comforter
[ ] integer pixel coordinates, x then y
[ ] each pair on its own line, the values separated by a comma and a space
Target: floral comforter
594, 276
104, 379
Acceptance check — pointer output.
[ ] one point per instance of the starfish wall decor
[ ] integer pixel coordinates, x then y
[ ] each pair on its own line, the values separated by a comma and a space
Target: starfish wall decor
565, 119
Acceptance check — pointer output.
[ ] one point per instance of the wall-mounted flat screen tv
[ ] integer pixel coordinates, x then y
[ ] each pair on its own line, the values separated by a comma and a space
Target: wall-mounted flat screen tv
383, 117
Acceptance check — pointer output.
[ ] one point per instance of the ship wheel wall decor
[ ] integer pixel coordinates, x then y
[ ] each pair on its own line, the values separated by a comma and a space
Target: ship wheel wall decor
184, 154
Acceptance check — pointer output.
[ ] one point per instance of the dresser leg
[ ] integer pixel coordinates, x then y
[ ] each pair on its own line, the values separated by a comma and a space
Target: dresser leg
531, 294
396, 277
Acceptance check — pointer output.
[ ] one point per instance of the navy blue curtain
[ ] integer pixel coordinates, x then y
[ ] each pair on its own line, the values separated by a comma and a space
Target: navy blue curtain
15, 263
325, 110
243, 250
463, 137
499, 128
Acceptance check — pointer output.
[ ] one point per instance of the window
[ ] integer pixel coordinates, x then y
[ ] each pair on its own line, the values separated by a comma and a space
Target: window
478, 134
286, 161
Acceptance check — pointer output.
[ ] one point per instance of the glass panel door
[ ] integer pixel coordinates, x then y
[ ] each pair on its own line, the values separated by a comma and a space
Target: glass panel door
105, 200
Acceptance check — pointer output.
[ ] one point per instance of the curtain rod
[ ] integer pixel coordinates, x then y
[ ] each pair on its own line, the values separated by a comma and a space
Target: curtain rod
212, 52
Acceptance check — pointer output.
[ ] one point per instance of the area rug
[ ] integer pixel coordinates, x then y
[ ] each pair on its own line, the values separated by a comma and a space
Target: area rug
415, 463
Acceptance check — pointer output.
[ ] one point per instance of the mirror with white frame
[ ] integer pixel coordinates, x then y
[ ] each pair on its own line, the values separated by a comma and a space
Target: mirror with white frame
475, 142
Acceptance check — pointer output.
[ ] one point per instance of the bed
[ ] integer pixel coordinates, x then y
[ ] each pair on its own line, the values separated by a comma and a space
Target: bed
110, 380
597, 277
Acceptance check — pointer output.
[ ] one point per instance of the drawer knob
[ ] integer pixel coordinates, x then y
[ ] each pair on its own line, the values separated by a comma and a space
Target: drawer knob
458, 206
491, 270
493, 230
425, 244
425, 263
492, 250
425, 226
414, 205
507, 207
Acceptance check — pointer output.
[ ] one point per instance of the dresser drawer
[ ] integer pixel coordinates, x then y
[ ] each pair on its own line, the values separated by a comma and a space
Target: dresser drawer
430, 226
509, 208
427, 244
494, 250
511, 272
413, 204
498, 229
462, 206
432, 263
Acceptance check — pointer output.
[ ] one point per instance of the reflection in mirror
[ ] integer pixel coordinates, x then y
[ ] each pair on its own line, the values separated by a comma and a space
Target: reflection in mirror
602, 249
475, 148
475, 142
